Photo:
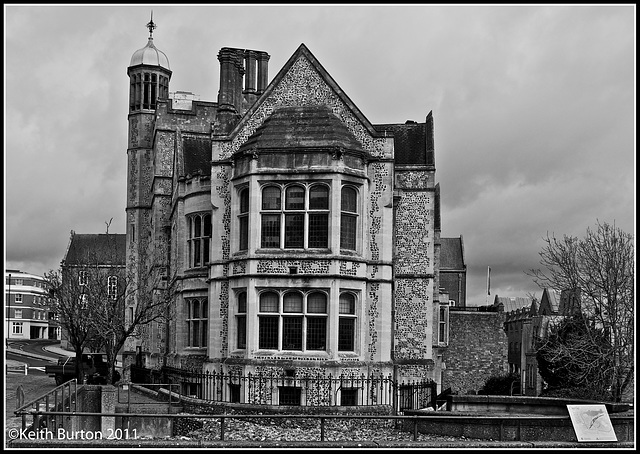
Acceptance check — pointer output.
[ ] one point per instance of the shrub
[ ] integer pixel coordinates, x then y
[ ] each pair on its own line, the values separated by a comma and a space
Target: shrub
500, 384
578, 392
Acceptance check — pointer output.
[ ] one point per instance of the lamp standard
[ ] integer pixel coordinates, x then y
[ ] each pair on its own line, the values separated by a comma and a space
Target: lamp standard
9, 311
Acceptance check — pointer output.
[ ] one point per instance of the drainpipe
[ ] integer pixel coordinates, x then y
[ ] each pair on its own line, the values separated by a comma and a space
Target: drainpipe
393, 303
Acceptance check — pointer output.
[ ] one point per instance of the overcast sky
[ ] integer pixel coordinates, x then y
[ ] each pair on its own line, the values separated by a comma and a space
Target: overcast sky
534, 110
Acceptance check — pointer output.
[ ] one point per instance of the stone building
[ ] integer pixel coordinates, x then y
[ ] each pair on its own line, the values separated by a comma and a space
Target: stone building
293, 235
518, 312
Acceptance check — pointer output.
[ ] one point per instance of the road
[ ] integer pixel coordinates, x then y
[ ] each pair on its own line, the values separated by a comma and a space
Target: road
36, 347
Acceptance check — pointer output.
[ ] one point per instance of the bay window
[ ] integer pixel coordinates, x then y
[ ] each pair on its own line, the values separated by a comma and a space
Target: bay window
292, 321
199, 237
304, 215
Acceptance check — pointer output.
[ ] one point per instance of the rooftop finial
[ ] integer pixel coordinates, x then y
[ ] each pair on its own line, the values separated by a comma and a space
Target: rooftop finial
151, 26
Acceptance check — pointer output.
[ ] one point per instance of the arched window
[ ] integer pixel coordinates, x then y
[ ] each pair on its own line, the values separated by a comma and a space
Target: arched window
271, 221
318, 216
316, 321
294, 217
292, 321
347, 322
268, 331
112, 287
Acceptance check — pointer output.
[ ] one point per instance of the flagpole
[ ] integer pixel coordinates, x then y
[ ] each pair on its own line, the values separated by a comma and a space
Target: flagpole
488, 285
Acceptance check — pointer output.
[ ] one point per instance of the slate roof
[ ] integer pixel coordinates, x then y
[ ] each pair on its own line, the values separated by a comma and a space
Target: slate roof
101, 249
196, 152
451, 254
510, 304
412, 142
301, 127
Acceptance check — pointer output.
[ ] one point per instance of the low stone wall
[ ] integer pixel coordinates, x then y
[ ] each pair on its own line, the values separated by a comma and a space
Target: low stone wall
521, 404
526, 428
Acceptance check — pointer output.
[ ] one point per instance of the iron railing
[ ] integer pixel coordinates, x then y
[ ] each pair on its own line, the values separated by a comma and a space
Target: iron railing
277, 389
62, 398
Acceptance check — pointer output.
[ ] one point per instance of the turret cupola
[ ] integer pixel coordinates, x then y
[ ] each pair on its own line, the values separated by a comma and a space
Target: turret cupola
149, 74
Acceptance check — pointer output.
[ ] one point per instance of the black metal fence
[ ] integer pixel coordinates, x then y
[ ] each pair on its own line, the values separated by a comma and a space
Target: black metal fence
274, 389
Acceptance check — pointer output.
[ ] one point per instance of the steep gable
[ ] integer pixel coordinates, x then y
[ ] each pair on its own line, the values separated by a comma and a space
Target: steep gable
303, 82
96, 249
549, 303
451, 254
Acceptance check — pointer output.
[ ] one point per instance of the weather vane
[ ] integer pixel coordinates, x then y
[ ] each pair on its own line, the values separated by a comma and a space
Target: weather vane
151, 26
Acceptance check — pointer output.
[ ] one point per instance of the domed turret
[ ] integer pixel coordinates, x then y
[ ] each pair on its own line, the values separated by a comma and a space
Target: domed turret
149, 74
150, 55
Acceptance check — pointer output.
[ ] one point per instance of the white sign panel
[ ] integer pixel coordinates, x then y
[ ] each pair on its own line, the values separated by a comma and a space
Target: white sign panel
591, 423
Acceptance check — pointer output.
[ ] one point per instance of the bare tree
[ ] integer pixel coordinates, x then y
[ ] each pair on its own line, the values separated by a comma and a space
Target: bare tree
69, 297
118, 316
95, 301
597, 271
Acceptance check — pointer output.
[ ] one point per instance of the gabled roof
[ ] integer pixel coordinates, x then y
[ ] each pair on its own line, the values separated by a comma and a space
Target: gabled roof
451, 254
303, 82
549, 303
96, 249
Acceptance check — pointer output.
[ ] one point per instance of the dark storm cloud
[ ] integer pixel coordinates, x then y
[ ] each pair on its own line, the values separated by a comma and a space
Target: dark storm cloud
533, 105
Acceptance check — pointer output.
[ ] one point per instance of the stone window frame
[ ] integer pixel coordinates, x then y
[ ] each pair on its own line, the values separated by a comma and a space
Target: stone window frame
243, 218
279, 214
197, 324
241, 320
346, 242
346, 318
278, 324
17, 298
198, 241
17, 313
